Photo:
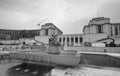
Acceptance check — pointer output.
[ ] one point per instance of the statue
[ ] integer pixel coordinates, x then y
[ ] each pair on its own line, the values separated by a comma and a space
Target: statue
54, 45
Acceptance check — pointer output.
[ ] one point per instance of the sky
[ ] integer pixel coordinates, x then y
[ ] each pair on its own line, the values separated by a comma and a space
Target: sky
70, 16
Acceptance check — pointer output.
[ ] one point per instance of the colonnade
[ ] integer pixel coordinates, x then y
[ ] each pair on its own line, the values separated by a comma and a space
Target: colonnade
71, 39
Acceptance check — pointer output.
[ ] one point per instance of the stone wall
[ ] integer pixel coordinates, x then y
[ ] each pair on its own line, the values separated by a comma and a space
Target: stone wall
94, 49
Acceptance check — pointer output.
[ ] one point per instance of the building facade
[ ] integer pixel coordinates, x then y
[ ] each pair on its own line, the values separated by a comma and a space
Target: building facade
101, 30
6, 34
50, 29
46, 31
71, 39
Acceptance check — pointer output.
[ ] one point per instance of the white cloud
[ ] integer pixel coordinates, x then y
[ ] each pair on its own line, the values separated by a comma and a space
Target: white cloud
64, 13
22, 17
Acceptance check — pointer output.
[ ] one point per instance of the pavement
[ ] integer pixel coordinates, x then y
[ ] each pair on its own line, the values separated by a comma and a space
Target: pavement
86, 71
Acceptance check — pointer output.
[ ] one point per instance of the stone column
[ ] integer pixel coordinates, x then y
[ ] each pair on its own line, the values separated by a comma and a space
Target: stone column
78, 39
65, 39
70, 40
61, 40
74, 40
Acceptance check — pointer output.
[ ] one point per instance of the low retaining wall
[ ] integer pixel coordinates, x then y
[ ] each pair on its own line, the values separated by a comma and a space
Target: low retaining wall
9, 47
94, 49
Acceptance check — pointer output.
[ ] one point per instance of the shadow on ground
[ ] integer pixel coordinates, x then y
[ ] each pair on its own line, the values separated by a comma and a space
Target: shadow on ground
29, 70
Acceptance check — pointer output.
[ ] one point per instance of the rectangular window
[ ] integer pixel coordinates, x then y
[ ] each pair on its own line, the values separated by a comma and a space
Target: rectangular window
72, 39
111, 31
46, 32
63, 39
116, 30
81, 39
76, 40
59, 39
100, 29
67, 39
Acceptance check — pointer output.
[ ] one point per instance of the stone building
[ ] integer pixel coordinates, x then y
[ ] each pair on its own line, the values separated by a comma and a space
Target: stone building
101, 30
50, 29
6, 34
46, 31
71, 39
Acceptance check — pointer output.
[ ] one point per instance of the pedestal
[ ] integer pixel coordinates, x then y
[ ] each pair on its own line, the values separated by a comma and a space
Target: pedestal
53, 50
